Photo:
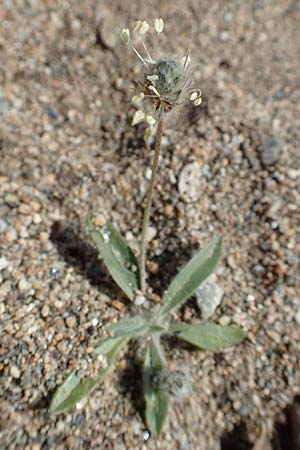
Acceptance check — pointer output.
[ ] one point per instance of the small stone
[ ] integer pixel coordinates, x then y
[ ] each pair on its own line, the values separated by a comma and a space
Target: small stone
191, 181
11, 235
4, 106
37, 218
153, 267
45, 311
209, 296
148, 173
23, 285
169, 210
3, 225
71, 321
95, 321
294, 174
150, 233
15, 372
44, 236
3, 263
2, 308
99, 221
118, 305
224, 321
271, 151
297, 317
139, 300
24, 209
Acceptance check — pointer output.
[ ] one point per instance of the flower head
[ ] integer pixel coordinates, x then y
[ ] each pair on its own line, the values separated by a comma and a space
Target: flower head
166, 80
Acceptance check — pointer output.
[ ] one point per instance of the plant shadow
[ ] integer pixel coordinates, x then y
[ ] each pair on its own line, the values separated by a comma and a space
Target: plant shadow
131, 380
77, 253
173, 258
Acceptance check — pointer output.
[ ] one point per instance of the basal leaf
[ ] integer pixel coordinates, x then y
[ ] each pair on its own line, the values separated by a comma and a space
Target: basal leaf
191, 276
208, 336
128, 326
74, 389
118, 258
156, 399
121, 249
110, 347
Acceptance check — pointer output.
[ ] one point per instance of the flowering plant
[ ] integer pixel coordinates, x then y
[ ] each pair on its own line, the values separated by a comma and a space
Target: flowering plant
166, 82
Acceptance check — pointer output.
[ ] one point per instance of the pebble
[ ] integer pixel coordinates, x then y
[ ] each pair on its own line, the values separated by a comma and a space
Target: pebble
151, 233
4, 263
15, 372
209, 296
153, 267
45, 311
271, 151
224, 321
37, 218
23, 285
71, 321
4, 106
191, 181
293, 174
3, 225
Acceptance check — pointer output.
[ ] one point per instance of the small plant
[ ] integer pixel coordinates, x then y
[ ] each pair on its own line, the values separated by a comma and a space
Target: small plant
166, 84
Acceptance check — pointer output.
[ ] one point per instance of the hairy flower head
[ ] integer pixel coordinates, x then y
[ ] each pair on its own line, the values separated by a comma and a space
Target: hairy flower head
166, 80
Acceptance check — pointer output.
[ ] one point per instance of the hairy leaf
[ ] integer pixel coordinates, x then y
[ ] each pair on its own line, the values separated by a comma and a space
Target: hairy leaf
74, 389
209, 336
128, 326
133, 327
156, 399
191, 276
118, 258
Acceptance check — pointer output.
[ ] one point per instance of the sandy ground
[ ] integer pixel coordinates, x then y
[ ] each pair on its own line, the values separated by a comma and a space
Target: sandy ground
67, 148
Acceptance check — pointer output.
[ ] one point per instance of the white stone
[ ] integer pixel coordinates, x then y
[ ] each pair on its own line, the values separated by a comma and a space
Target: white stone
191, 181
209, 296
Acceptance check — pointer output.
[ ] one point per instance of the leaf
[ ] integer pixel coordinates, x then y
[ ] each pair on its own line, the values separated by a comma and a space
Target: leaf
121, 249
117, 257
191, 276
134, 326
156, 400
74, 389
129, 326
109, 346
208, 336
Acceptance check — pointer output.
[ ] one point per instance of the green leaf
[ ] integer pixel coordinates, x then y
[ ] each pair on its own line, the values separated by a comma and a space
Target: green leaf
156, 400
208, 336
117, 257
191, 276
128, 326
134, 326
74, 389
110, 347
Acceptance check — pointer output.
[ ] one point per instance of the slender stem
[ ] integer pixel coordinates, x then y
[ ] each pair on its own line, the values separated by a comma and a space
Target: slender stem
149, 203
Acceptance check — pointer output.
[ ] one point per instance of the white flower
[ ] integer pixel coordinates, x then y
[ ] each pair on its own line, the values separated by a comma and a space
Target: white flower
136, 99
194, 95
138, 117
126, 35
150, 120
158, 25
141, 26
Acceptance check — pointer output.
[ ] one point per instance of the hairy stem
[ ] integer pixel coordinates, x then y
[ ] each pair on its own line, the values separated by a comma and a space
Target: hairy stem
149, 203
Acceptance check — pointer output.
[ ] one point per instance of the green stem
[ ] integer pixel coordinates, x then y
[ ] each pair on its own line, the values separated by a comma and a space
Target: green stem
148, 204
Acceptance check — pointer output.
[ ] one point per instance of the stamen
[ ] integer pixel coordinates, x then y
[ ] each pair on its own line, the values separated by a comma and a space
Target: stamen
152, 88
